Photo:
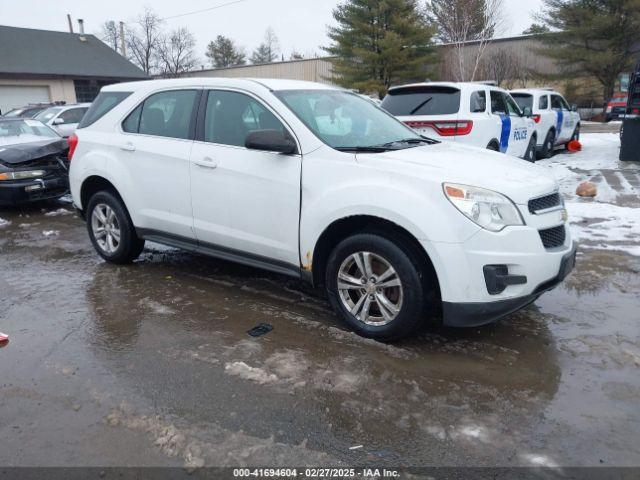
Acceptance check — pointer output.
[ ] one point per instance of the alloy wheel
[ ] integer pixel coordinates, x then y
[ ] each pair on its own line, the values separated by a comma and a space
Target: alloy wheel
105, 227
370, 288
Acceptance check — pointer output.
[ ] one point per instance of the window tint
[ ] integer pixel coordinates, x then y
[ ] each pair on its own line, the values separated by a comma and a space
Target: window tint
103, 103
478, 102
544, 102
422, 101
73, 115
523, 100
230, 116
556, 102
168, 114
512, 106
132, 122
497, 103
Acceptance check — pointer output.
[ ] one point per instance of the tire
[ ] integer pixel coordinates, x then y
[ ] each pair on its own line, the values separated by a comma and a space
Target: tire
575, 136
493, 146
106, 215
530, 153
549, 145
393, 311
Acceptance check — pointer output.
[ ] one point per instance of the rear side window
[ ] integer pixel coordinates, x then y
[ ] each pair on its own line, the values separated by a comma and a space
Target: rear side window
478, 101
104, 102
523, 100
544, 102
422, 101
164, 114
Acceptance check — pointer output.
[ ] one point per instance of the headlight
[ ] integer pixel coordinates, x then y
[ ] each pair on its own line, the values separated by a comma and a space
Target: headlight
22, 175
486, 208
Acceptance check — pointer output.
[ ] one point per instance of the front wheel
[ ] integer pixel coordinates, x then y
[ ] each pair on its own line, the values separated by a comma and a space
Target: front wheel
376, 286
111, 230
549, 145
530, 153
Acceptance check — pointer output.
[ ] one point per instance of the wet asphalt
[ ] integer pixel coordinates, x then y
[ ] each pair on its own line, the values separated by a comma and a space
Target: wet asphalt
151, 365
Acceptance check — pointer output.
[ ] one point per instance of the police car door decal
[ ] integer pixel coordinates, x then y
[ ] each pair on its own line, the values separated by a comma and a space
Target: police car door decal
560, 121
505, 133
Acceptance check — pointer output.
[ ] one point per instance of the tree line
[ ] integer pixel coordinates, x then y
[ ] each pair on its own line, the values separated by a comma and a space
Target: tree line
378, 43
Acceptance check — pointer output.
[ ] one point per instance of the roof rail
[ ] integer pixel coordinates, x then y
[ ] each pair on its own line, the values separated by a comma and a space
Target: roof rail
492, 83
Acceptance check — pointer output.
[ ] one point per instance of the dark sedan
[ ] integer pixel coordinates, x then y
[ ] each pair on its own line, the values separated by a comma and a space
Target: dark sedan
33, 162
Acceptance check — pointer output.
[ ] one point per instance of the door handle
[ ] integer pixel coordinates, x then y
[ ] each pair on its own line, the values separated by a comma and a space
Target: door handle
128, 147
207, 162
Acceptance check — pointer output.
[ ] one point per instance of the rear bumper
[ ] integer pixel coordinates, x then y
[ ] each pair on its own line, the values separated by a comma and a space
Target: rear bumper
25, 191
476, 314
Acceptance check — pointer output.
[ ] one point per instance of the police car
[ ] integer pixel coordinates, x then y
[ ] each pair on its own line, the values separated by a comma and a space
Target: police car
476, 114
556, 123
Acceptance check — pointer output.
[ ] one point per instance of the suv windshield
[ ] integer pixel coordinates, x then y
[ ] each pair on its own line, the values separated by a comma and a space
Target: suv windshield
345, 121
523, 100
422, 100
13, 132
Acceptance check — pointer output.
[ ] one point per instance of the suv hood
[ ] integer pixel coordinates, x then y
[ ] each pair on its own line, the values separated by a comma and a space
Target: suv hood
446, 162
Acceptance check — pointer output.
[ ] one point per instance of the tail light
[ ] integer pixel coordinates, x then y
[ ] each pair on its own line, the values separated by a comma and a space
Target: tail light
445, 128
536, 118
609, 108
73, 143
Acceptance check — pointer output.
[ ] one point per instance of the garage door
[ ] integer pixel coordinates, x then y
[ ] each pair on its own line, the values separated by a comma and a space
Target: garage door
13, 96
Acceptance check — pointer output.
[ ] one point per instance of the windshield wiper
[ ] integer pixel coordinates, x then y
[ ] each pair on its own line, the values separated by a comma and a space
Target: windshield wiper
370, 149
421, 105
411, 141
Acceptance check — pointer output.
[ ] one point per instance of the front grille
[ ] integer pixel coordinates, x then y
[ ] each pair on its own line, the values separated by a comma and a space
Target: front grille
553, 237
543, 203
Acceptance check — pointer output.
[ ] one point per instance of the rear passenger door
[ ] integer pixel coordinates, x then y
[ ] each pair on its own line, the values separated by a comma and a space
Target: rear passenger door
246, 203
154, 149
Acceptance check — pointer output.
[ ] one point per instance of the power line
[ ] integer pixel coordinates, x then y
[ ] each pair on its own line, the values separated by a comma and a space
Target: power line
204, 10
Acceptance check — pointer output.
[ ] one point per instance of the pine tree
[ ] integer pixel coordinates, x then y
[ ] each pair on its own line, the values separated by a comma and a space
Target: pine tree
222, 53
597, 38
378, 43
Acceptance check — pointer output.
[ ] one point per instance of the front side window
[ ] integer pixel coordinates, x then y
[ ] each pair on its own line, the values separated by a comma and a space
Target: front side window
498, 106
478, 101
556, 102
544, 102
164, 114
422, 100
73, 115
565, 105
343, 120
231, 116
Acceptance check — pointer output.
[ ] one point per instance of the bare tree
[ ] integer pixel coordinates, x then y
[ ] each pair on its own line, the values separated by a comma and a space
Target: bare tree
177, 53
268, 50
144, 39
110, 34
463, 21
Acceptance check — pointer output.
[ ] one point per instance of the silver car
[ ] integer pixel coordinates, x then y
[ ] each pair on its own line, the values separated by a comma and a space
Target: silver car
63, 119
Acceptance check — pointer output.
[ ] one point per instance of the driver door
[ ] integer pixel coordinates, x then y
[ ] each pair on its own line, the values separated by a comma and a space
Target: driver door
246, 203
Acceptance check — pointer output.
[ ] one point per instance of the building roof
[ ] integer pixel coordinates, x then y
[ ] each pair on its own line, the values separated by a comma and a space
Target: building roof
46, 53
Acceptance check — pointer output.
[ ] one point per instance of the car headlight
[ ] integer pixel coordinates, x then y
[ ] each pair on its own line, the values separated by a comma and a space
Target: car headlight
490, 210
23, 175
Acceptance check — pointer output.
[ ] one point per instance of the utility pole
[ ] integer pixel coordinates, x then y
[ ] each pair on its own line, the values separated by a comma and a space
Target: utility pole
123, 44
70, 23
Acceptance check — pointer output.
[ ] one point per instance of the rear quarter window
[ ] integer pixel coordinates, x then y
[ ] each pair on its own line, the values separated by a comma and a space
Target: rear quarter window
103, 104
422, 101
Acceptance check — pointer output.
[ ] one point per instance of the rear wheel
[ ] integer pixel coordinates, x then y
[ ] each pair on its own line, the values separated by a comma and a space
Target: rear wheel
111, 230
493, 145
376, 286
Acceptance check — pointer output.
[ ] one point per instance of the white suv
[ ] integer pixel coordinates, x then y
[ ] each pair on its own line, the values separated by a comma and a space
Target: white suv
556, 123
320, 184
475, 114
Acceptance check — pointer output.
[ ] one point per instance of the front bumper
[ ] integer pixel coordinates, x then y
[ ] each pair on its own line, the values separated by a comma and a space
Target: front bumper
474, 314
17, 192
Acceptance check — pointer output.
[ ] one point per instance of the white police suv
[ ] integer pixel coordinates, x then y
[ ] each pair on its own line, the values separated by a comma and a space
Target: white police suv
556, 123
475, 114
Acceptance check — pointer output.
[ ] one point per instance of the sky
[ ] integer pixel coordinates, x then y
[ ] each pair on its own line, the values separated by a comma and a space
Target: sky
299, 24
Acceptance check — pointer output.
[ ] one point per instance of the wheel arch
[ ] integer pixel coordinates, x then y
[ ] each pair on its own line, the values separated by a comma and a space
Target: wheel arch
344, 227
494, 142
93, 184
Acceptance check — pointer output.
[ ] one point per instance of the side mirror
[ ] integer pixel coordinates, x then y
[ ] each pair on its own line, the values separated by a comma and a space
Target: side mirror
574, 107
58, 121
270, 141
527, 112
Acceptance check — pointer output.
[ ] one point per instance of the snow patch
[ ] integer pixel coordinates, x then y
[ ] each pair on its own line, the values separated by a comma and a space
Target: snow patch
50, 233
4, 223
58, 212
247, 372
